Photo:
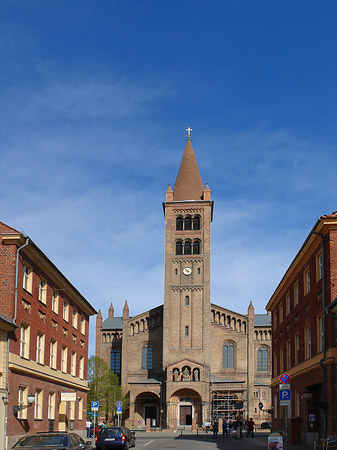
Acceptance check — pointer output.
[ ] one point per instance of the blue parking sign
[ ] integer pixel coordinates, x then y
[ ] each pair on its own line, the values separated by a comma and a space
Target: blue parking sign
94, 406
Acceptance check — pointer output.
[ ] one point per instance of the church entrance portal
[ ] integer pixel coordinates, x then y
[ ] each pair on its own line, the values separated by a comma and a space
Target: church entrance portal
185, 415
185, 405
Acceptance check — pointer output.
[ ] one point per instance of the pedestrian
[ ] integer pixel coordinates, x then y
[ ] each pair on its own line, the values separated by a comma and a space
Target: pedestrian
207, 425
250, 426
215, 429
88, 426
224, 429
230, 428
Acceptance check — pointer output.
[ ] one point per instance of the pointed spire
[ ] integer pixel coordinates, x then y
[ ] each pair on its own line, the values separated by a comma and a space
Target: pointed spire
126, 311
111, 311
169, 194
188, 185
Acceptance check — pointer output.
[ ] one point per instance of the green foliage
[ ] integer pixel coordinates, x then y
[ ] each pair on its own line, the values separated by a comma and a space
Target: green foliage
103, 387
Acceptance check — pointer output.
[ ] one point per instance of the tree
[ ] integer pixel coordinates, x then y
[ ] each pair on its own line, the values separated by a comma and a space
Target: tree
103, 386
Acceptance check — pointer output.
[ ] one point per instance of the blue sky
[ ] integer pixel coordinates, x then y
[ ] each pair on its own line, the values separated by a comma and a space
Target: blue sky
95, 100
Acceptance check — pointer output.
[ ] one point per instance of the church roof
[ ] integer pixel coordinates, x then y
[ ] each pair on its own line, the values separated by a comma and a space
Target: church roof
262, 320
188, 185
113, 323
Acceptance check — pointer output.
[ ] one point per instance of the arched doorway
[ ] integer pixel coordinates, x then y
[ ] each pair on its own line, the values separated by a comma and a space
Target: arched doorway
147, 406
185, 405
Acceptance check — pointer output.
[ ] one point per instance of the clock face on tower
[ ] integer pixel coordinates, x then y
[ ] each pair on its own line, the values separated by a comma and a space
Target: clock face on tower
187, 271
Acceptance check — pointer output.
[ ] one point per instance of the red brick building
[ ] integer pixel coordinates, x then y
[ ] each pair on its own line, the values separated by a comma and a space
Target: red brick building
47, 353
304, 337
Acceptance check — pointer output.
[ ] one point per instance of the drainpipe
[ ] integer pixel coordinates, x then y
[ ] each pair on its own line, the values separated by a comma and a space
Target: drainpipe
324, 339
9, 333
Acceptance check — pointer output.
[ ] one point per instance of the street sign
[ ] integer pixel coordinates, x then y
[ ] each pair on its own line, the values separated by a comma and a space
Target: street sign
94, 406
119, 403
119, 409
285, 396
285, 378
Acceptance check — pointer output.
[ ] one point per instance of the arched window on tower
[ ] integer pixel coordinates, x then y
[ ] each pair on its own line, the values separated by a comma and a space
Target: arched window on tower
115, 361
196, 247
196, 222
147, 355
179, 247
262, 359
187, 300
228, 355
187, 248
179, 223
188, 223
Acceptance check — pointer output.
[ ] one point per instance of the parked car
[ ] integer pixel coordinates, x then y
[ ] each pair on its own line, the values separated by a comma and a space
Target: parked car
115, 437
265, 425
53, 441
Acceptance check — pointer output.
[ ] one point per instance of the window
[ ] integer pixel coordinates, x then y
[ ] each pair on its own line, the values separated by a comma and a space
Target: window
275, 368
288, 354
297, 349
42, 291
22, 400
196, 222
83, 325
281, 359
307, 331
80, 409
297, 403
64, 357
53, 351
179, 247
66, 311
40, 348
147, 356
188, 223
179, 223
275, 406
38, 404
27, 278
51, 406
187, 300
280, 315
262, 359
24, 340
73, 364
320, 333
81, 371
288, 304
296, 293
75, 317
55, 302
228, 355
187, 248
196, 247
319, 266
115, 361
71, 410
187, 332
306, 281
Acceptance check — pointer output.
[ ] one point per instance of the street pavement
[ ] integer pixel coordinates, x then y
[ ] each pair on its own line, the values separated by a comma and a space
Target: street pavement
187, 440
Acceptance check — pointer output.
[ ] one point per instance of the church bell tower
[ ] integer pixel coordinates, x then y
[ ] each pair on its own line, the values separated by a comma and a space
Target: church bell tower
188, 214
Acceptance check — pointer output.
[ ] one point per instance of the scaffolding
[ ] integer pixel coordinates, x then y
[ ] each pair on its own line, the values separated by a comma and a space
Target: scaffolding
227, 404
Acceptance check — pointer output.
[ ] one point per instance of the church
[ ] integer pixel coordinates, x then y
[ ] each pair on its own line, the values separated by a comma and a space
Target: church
189, 360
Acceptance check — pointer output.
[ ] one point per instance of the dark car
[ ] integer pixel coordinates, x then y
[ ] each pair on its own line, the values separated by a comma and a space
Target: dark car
53, 441
115, 437
265, 425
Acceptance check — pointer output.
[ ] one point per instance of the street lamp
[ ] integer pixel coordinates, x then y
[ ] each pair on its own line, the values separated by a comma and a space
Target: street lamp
17, 408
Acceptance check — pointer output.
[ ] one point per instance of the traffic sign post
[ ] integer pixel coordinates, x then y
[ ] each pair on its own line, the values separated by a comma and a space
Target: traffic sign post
94, 408
119, 405
285, 400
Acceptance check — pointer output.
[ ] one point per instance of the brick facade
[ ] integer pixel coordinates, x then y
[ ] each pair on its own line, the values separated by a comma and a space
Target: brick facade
300, 327
30, 369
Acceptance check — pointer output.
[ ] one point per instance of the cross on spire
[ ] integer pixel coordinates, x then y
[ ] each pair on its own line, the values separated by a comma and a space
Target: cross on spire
188, 132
